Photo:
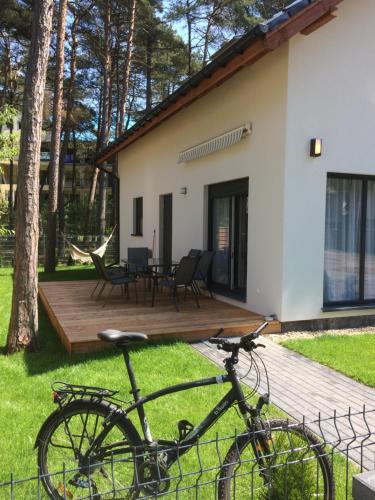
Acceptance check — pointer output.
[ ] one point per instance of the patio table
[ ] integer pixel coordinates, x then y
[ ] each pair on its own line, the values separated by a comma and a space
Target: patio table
153, 264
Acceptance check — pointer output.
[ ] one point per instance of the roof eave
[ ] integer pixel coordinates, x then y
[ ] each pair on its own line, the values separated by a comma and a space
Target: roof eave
263, 39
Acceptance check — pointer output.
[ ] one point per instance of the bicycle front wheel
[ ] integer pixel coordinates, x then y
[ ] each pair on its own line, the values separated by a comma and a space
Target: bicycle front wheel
295, 467
65, 469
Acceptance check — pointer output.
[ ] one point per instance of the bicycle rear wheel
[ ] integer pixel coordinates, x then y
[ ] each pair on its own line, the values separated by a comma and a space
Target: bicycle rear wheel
298, 468
63, 442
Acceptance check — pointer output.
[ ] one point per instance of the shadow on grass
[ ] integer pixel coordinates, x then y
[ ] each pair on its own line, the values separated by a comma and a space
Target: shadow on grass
6, 271
53, 355
69, 273
62, 273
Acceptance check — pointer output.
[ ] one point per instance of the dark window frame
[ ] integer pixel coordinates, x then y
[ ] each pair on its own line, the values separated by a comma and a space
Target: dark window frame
137, 216
232, 188
361, 302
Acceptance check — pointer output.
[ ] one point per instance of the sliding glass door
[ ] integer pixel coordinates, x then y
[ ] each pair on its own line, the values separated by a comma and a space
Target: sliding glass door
228, 236
369, 265
349, 276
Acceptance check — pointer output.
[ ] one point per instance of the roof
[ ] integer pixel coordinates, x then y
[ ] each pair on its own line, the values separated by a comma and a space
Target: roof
301, 16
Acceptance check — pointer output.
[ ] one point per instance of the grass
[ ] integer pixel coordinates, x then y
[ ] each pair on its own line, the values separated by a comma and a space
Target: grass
26, 378
26, 395
352, 355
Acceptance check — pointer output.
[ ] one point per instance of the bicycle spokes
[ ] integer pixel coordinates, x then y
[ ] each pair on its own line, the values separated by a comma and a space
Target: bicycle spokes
88, 473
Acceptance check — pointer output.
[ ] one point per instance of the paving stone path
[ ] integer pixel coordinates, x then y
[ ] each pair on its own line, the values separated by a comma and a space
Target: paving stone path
334, 406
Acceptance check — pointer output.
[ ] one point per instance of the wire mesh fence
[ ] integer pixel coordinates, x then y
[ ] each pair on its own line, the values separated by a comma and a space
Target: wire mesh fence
86, 243
312, 459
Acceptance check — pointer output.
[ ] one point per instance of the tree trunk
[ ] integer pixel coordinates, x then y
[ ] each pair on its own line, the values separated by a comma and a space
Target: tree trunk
130, 108
115, 193
91, 199
99, 121
189, 30
127, 67
23, 325
11, 194
7, 68
94, 177
104, 137
117, 77
61, 189
11, 184
206, 43
149, 47
74, 168
110, 103
7, 97
105, 128
53, 174
102, 205
216, 8
67, 131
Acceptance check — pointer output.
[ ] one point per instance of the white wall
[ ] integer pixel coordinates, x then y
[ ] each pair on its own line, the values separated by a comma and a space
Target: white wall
149, 168
321, 85
331, 94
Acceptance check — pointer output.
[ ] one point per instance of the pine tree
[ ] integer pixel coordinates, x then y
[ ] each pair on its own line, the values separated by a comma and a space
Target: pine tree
53, 174
23, 326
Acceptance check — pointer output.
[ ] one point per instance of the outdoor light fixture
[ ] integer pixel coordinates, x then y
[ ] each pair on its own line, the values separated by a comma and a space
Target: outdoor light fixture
316, 148
183, 190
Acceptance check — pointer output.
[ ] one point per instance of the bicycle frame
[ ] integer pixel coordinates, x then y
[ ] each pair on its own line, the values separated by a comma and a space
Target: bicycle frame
175, 449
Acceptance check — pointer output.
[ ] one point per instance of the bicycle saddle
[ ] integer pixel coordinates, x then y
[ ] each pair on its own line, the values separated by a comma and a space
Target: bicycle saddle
122, 338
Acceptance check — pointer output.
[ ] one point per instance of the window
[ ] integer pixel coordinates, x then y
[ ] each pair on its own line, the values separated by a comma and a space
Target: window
137, 216
349, 274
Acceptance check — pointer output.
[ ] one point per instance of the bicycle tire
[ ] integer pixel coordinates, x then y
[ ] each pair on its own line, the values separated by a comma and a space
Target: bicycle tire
285, 480
89, 414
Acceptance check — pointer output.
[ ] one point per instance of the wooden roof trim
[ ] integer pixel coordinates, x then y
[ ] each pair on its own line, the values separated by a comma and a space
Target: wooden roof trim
298, 23
326, 18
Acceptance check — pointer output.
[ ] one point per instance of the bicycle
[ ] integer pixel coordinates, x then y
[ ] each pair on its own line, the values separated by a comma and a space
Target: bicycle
91, 426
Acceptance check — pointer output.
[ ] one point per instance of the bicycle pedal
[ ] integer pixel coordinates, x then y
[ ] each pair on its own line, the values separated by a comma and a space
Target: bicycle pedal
184, 428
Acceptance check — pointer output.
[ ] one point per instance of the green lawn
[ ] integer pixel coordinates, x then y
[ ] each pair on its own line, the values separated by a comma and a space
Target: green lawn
26, 378
26, 399
352, 355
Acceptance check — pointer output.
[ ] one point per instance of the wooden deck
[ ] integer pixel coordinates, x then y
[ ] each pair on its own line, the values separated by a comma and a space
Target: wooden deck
77, 318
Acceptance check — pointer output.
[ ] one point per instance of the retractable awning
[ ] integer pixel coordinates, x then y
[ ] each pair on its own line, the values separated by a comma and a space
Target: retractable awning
214, 144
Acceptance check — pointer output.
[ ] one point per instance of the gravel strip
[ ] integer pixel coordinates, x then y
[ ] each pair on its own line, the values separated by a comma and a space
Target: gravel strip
310, 335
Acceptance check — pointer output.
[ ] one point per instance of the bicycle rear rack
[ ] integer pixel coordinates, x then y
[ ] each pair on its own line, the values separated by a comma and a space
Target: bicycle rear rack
63, 391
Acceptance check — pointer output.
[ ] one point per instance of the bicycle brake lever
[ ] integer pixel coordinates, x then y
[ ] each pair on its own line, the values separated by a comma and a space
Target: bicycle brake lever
261, 345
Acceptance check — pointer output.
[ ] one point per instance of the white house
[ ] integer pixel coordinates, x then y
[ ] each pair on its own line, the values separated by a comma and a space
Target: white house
294, 233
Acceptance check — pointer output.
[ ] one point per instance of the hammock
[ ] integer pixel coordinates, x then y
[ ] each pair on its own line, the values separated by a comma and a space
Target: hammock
82, 257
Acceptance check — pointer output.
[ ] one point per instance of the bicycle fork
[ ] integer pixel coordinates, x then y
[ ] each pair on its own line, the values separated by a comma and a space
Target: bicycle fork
262, 445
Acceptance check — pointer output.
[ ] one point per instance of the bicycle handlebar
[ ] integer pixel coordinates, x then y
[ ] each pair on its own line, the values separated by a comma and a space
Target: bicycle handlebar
245, 342
258, 331
214, 340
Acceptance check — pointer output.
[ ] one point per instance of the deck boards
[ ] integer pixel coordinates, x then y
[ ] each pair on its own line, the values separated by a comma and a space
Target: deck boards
77, 318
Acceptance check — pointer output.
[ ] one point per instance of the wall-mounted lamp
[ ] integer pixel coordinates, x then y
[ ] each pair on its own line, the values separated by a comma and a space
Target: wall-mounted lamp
316, 148
183, 190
